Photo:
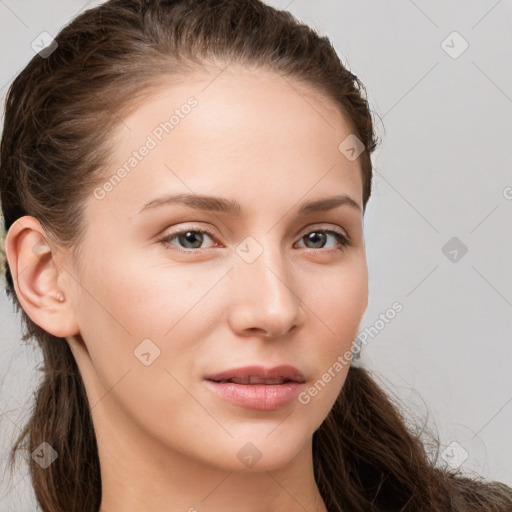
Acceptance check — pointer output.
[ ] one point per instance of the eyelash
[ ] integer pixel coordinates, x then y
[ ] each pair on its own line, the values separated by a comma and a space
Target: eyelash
343, 240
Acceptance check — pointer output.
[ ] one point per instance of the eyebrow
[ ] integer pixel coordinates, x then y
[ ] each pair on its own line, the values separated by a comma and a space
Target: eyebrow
231, 206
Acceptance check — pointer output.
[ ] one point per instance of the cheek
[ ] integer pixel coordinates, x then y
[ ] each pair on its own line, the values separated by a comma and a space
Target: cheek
136, 314
123, 308
336, 311
140, 301
337, 303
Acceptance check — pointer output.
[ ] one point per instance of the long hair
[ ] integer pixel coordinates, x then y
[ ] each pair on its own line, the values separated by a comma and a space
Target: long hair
54, 151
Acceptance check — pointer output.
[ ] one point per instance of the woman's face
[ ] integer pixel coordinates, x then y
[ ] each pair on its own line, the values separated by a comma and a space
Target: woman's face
264, 283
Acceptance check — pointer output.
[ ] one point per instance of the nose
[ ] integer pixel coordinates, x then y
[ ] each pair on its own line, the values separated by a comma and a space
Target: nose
265, 298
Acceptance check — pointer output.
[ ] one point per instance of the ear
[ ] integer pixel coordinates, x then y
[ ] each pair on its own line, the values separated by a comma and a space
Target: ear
33, 262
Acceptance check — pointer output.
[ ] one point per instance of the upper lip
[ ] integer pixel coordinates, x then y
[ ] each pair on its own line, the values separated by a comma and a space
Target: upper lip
259, 375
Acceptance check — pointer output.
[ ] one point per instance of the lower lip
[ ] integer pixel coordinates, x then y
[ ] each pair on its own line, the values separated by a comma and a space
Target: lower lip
260, 397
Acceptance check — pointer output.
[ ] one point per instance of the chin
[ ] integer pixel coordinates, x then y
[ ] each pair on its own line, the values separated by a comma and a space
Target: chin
259, 450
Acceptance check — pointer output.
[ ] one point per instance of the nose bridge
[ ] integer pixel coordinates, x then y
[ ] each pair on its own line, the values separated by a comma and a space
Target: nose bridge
265, 286
277, 273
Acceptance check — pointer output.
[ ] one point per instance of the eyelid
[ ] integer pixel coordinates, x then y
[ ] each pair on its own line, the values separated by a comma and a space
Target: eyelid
307, 229
323, 227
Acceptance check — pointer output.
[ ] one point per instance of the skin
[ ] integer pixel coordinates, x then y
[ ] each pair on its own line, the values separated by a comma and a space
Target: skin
166, 442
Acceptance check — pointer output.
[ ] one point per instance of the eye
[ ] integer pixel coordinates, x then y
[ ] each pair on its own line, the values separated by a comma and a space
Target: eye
189, 238
193, 238
318, 239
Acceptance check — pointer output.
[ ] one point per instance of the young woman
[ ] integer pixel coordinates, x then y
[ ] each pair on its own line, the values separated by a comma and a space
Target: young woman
183, 185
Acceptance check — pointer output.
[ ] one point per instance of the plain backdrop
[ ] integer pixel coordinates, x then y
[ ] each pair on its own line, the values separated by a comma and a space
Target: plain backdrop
437, 228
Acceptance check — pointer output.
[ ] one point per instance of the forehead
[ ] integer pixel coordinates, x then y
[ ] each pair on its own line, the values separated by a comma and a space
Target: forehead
242, 130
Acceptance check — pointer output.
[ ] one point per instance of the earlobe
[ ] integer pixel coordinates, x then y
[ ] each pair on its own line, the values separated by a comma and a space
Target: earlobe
35, 272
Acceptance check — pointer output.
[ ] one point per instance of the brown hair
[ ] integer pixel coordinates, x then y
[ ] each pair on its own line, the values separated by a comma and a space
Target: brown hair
54, 151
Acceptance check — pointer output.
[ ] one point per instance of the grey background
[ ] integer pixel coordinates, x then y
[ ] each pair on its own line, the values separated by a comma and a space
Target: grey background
442, 171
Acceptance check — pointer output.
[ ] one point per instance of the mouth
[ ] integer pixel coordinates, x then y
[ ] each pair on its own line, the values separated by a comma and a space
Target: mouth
258, 388
250, 375
252, 379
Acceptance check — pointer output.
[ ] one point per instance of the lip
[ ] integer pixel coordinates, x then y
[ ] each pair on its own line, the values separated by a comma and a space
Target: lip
257, 387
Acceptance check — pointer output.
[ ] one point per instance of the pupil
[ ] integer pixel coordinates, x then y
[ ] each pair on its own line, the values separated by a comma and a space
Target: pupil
314, 235
189, 237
